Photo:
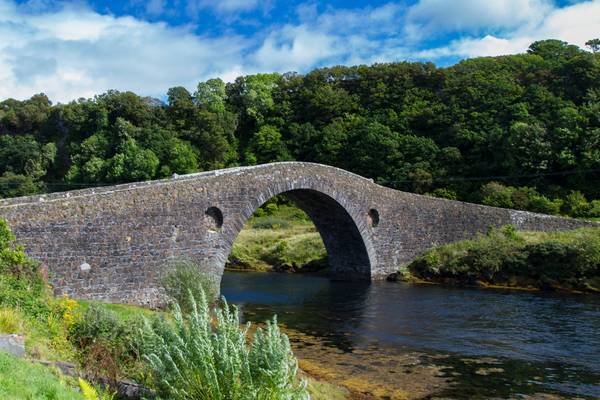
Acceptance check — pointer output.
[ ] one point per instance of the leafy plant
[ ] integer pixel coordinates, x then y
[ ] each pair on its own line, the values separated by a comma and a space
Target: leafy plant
91, 393
206, 355
183, 277
107, 345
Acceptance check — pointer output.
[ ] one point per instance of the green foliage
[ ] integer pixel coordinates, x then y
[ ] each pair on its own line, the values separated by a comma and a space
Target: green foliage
108, 346
183, 277
505, 256
593, 44
445, 193
576, 204
91, 393
21, 284
21, 379
206, 355
271, 222
11, 321
531, 120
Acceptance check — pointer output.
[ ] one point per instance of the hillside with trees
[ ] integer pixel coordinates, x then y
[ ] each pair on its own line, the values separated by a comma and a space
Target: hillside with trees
519, 131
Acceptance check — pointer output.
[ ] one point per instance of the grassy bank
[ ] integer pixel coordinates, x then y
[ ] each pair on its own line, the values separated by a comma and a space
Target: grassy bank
173, 353
567, 260
278, 237
21, 379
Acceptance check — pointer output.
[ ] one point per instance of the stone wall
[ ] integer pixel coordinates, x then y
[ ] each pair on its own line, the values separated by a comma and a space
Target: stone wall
113, 243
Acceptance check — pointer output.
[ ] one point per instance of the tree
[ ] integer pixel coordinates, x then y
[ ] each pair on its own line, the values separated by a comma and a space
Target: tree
267, 146
211, 95
131, 163
555, 50
593, 44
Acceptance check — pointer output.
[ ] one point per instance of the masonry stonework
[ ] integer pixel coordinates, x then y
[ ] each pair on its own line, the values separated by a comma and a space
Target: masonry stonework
113, 243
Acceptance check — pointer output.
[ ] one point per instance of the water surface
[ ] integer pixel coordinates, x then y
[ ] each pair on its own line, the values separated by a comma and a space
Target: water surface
542, 343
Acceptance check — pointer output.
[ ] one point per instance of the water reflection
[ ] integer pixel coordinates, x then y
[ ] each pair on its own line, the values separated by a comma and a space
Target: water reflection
558, 334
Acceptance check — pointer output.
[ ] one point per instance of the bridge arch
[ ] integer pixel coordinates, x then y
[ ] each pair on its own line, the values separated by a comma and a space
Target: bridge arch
111, 243
346, 238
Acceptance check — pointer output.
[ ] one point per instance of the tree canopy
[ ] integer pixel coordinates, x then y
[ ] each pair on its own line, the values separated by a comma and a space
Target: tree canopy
517, 131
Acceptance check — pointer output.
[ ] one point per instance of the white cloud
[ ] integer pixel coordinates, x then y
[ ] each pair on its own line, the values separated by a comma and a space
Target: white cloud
574, 24
434, 17
296, 48
75, 52
71, 51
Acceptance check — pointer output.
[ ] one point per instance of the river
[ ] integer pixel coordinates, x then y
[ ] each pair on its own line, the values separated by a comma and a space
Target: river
396, 340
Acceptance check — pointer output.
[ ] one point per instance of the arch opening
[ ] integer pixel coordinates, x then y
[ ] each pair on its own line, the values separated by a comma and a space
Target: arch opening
347, 254
214, 217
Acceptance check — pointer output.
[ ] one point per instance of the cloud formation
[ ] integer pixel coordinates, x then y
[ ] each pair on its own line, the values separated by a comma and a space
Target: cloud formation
72, 51
575, 24
76, 52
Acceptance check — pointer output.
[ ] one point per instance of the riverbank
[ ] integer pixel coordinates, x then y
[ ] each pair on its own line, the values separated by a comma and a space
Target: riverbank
278, 237
504, 258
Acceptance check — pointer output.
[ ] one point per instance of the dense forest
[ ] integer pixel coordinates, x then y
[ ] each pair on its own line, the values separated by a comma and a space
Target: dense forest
519, 131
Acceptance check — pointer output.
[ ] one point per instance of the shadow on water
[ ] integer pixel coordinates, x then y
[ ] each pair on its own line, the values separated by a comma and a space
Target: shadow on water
491, 342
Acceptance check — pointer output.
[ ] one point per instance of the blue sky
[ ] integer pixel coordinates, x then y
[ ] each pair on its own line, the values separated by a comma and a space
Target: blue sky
72, 49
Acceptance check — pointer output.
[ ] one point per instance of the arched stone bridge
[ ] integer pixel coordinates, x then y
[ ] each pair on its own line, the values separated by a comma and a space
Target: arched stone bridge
111, 243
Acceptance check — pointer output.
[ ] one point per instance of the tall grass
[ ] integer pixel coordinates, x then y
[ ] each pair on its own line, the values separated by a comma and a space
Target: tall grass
207, 355
183, 277
11, 321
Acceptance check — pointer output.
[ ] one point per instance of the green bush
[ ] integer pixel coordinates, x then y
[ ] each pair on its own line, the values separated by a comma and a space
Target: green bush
497, 195
547, 259
271, 222
576, 205
544, 205
445, 193
107, 345
21, 284
184, 276
594, 210
207, 356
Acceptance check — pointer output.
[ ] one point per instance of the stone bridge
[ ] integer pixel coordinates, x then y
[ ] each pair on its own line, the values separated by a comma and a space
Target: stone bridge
112, 243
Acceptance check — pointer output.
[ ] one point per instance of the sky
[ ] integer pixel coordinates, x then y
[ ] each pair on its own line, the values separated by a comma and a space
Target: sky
75, 49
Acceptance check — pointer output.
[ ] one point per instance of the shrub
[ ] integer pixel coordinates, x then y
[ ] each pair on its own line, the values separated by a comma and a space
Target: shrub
183, 277
11, 321
21, 284
546, 259
271, 222
542, 204
576, 205
594, 211
497, 195
207, 356
445, 193
107, 344
270, 208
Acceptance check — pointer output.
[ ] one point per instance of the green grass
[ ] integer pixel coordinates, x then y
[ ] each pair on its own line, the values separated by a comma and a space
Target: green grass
568, 260
20, 379
124, 312
286, 236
